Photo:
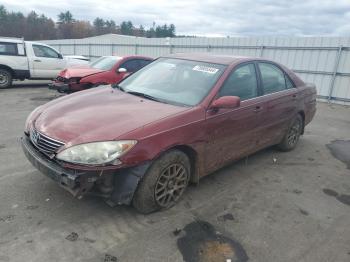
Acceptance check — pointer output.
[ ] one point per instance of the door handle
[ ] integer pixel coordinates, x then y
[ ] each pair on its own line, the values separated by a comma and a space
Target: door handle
257, 109
37, 60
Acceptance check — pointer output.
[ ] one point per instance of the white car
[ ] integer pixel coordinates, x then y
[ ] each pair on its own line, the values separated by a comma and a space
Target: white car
31, 60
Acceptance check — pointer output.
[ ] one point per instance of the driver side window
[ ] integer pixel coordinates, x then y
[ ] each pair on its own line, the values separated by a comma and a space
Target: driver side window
242, 83
44, 51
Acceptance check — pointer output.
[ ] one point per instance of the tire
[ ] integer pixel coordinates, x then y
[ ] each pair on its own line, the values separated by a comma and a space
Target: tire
156, 190
5, 78
292, 136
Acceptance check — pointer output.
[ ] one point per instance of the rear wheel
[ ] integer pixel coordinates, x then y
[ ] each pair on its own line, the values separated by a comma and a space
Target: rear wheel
5, 78
292, 136
164, 183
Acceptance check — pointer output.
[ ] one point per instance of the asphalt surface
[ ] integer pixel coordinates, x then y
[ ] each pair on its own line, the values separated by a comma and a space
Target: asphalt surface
272, 206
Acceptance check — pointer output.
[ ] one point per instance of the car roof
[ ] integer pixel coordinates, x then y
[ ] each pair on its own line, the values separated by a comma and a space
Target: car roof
212, 58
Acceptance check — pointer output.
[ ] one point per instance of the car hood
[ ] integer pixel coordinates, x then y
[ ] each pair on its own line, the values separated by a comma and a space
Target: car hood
99, 114
80, 71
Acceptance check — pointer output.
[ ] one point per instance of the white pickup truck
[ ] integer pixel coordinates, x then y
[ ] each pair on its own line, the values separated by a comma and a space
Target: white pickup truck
31, 60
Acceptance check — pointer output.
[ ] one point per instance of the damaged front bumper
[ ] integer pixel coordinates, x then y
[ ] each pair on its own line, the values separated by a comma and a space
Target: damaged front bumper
121, 183
76, 182
60, 87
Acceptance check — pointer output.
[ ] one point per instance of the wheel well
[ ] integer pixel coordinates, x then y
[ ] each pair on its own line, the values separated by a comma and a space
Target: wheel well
192, 155
8, 68
302, 114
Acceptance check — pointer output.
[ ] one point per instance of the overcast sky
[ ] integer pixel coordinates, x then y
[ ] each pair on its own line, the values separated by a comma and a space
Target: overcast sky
209, 17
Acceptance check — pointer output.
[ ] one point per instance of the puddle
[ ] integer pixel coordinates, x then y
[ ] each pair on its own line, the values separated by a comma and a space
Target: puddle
110, 258
303, 212
8, 218
340, 149
72, 236
225, 217
330, 192
203, 243
343, 198
32, 207
44, 98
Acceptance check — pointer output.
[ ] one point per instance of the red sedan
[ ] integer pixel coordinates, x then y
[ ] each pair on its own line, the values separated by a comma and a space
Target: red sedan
174, 121
103, 71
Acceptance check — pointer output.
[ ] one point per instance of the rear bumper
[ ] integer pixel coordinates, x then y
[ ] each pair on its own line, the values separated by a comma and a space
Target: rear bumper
77, 183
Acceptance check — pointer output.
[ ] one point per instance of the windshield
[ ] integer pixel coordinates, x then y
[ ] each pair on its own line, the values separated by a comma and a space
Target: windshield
174, 81
105, 62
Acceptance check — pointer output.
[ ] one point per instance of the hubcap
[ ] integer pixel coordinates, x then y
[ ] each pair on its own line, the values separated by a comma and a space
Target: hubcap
293, 134
170, 185
3, 78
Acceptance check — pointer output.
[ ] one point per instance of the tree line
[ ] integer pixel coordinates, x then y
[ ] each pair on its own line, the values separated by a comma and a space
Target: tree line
40, 27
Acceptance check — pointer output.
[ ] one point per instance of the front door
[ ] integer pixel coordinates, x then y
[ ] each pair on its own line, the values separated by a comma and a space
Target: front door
233, 132
46, 62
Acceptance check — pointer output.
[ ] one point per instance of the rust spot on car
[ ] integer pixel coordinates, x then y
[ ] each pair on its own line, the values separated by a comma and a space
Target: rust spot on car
340, 149
202, 242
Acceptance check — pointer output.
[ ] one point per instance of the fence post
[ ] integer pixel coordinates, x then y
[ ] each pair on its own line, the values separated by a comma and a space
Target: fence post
136, 49
89, 51
171, 47
74, 48
112, 49
335, 71
208, 48
261, 51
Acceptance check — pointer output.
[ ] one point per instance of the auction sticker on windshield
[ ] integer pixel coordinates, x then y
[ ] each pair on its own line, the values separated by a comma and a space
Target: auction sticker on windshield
206, 69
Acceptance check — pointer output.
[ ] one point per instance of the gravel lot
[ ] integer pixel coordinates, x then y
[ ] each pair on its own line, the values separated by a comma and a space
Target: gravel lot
271, 206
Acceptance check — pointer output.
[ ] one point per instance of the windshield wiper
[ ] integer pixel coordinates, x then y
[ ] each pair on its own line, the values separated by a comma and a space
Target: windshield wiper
144, 95
119, 87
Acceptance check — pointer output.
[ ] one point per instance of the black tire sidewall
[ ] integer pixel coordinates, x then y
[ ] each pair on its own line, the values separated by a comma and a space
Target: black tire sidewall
144, 198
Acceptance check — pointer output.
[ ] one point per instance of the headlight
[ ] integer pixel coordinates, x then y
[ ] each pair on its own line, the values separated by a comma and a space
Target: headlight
96, 153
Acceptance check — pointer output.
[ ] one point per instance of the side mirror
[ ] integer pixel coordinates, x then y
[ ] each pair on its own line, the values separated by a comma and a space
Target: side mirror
122, 70
226, 102
60, 56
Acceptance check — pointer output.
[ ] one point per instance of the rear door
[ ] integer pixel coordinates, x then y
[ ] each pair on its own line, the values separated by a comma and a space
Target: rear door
46, 62
232, 133
280, 96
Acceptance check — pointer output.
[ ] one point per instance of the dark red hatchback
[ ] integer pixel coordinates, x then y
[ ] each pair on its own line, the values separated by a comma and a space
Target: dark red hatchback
174, 121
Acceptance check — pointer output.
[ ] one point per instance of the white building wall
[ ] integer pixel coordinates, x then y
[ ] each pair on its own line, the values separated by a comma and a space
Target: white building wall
324, 61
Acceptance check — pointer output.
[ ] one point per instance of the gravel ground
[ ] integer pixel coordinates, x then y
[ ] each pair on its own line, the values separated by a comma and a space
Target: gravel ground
272, 206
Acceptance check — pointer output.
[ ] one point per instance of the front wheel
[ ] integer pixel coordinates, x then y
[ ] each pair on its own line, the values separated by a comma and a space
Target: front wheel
292, 136
164, 183
5, 78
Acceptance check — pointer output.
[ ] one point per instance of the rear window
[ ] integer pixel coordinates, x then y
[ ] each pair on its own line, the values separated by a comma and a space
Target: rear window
8, 48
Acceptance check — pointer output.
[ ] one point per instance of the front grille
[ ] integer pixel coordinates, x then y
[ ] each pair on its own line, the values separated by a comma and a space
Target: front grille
45, 144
